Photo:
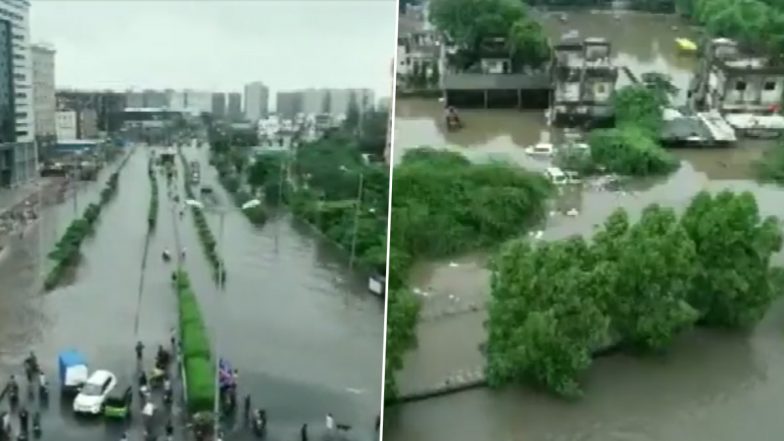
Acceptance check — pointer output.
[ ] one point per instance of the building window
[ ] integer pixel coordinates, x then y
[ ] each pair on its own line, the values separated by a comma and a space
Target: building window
21, 114
21, 133
769, 85
19, 76
740, 86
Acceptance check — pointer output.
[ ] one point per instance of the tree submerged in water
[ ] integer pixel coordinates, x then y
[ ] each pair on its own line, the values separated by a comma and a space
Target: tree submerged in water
635, 287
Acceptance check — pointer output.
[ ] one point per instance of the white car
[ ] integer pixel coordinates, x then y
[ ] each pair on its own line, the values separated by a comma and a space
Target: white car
541, 149
92, 395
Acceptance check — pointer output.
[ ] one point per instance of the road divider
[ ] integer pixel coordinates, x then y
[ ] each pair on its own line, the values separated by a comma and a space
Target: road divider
152, 216
197, 361
207, 239
66, 253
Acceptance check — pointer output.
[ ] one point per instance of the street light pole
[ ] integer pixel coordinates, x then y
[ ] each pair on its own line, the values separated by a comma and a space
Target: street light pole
356, 220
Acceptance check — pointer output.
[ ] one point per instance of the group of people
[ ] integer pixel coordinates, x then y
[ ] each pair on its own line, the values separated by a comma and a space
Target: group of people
34, 375
167, 254
159, 377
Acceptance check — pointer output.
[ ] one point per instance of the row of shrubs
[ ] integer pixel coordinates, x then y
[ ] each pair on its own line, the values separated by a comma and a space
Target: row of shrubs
207, 239
196, 355
152, 216
66, 251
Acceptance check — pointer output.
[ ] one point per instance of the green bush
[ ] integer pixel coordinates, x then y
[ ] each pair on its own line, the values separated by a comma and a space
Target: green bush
195, 342
200, 373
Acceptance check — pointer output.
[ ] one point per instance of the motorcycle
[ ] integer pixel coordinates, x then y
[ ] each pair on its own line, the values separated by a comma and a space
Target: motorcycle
259, 423
166, 256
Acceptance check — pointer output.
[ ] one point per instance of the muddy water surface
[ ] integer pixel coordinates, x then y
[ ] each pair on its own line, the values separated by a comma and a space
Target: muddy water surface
710, 386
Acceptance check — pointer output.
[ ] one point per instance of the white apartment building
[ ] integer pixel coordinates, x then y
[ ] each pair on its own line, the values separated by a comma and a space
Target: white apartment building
44, 103
256, 101
67, 125
198, 101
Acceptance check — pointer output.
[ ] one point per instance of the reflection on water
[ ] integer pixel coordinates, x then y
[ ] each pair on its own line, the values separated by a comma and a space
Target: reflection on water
710, 385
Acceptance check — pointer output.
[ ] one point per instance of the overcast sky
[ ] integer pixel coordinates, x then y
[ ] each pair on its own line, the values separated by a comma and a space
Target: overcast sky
219, 45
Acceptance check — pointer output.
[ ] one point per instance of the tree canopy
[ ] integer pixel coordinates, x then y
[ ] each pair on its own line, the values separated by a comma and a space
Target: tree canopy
469, 23
635, 286
469, 205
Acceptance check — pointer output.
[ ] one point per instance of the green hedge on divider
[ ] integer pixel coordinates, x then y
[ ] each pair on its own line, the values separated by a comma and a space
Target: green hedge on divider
196, 353
206, 237
67, 250
201, 384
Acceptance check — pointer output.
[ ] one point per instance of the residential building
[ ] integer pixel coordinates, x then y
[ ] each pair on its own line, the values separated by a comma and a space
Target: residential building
732, 79
67, 125
234, 106
289, 104
18, 155
584, 77
256, 101
44, 103
219, 105
418, 48
315, 101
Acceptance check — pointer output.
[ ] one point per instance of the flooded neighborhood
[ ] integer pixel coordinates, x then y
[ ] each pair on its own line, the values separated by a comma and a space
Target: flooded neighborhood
709, 383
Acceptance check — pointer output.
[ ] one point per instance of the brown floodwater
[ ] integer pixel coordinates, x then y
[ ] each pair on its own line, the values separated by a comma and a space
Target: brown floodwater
710, 385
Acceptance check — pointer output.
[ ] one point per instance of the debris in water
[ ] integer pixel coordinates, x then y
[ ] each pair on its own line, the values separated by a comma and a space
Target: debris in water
354, 391
453, 264
553, 213
573, 212
539, 234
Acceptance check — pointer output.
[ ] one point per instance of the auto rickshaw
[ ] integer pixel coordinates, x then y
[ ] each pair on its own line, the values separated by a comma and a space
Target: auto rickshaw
118, 402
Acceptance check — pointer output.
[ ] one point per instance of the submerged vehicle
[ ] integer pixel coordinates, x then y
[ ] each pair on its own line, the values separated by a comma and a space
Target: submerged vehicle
73, 370
118, 402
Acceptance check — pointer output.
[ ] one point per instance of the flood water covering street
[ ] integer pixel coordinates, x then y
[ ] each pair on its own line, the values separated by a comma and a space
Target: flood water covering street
710, 384
304, 334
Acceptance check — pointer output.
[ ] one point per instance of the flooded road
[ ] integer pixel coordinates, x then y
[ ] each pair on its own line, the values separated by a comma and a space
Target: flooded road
305, 337
305, 333
710, 385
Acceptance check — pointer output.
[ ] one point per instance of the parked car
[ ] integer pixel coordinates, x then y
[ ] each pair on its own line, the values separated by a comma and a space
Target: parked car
93, 394
541, 149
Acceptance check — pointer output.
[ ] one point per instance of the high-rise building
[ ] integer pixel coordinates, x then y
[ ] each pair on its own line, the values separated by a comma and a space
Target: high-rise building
18, 155
289, 104
256, 101
107, 104
219, 105
44, 103
134, 99
234, 106
198, 101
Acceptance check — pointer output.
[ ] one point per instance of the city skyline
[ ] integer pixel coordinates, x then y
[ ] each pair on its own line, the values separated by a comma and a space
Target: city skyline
356, 56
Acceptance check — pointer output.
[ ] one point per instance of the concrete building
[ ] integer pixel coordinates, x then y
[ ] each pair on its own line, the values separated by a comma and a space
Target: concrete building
107, 104
256, 101
418, 48
584, 78
134, 99
18, 155
198, 101
155, 98
732, 80
289, 104
44, 102
219, 105
67, 125
234, 107
87, 124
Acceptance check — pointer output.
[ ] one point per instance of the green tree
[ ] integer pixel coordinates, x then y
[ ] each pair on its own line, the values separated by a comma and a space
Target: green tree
733, 286
630, 150
528, 44
649, 268
639, 106
544, 323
